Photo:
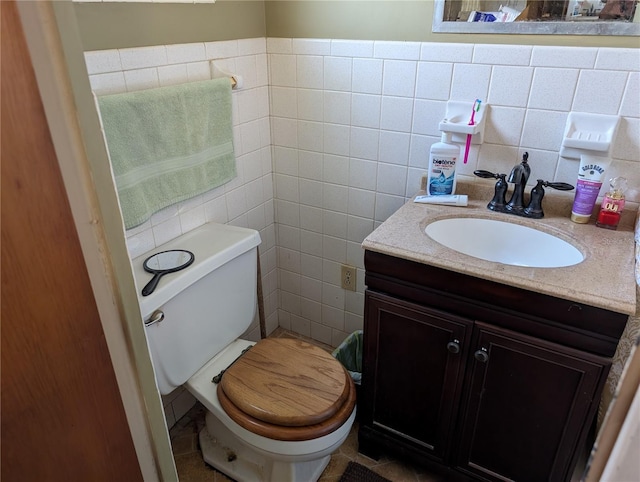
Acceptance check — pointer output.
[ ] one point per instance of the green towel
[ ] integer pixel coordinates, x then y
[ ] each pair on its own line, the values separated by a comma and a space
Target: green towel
168, 144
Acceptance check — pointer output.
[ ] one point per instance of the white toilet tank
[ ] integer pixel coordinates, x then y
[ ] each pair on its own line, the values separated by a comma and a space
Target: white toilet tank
206, 306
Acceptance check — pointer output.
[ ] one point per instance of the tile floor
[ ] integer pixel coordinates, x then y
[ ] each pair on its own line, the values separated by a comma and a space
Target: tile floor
191, 467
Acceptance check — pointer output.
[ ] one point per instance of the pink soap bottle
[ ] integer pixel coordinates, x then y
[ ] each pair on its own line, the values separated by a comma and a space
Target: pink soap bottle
612, 204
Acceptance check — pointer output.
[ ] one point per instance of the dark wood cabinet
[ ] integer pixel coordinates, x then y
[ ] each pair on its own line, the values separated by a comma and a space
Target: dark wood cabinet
459, 373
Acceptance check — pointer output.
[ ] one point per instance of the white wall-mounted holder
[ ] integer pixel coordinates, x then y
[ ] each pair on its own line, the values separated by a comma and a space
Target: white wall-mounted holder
237, 82
457, 121
591, 134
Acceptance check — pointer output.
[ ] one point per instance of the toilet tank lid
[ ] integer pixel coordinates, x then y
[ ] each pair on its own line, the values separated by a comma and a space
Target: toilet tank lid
212, 244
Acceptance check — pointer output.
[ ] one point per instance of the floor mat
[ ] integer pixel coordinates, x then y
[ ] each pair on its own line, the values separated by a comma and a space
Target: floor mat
359, 473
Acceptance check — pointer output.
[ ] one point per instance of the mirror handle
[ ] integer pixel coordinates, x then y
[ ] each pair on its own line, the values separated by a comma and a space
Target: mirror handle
151, 285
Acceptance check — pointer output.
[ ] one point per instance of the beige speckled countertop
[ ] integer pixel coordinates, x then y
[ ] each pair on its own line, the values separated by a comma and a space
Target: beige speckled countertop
605, 278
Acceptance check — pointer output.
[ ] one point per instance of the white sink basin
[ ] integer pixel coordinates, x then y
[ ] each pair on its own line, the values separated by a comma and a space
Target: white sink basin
504, 242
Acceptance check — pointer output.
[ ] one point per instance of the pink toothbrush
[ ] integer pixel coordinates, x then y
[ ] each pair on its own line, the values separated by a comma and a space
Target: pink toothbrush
476, 108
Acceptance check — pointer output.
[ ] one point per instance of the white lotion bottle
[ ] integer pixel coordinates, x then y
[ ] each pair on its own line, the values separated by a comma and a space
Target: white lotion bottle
441, 178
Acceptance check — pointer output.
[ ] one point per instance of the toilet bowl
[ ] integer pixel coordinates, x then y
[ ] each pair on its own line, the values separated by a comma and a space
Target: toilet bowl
281, 408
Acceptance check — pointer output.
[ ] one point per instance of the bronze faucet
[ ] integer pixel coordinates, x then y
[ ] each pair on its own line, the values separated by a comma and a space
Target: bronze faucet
519, 176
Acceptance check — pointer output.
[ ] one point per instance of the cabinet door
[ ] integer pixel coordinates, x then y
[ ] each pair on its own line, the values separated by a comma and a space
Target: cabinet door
413, 371
529, 404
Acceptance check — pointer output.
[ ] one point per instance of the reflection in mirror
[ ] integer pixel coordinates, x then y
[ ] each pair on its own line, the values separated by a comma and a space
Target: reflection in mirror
165, 262
578, 17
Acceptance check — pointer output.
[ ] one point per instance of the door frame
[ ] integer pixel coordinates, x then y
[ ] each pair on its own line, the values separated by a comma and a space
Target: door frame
57, 57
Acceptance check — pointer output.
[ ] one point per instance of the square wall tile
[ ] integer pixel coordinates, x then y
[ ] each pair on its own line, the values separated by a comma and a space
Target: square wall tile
563, 57
365, 110
309, 71
352, 48
359, 228
470, 82
182, 53
392, 179
434, 80
386, 205
627, 143
510, 86
553, 89
282, 70
396, 114
361, 203
600, 91
497, 158
630, 105
172, 75
311, 288
310, 165
337, 107
111, 83
618, 59
141, 57
284, 132
310, 136
364, 143
252, 46
198, 71
248, 105
102, 61
337, 73
502, 54
336, 139
221, 50
336, 169
279, 45
427, 116
311, 195
362, 174
246, 67
284, 102
543, 129
335, 197
311, 46
399, 78
446, 52
334, 224
310, 104
396, 50
367, 76
141, 79
505, 127
394, 147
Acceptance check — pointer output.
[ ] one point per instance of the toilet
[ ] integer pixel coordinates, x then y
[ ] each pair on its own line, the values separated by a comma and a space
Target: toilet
278, 407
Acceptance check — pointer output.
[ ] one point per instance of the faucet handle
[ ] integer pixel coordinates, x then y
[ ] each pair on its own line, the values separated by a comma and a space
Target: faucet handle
534, 209
487, 174
560, 186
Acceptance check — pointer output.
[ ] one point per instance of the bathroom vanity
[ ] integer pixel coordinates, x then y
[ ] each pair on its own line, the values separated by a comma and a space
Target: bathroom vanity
489, 371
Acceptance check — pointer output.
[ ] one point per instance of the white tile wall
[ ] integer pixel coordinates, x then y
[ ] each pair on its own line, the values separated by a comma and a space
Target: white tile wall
379, 104
347, 126
248, 199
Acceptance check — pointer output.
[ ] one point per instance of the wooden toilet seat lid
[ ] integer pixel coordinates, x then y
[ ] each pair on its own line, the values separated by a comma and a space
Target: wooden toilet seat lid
287, 382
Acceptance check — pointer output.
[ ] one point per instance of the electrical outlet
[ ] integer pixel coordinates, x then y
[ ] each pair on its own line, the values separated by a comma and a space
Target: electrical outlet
348, 277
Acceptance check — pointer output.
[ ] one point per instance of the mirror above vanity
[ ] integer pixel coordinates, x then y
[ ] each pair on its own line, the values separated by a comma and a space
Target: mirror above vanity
550, 17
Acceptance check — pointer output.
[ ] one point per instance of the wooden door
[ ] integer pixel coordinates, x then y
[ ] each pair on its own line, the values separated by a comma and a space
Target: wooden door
412, 373
530, 404
62, 416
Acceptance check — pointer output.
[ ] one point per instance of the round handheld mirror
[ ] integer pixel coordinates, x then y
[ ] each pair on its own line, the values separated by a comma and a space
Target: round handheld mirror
165, 262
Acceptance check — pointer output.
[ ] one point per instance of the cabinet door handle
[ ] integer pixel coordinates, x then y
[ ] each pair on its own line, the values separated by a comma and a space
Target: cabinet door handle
454, 346
481, 355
